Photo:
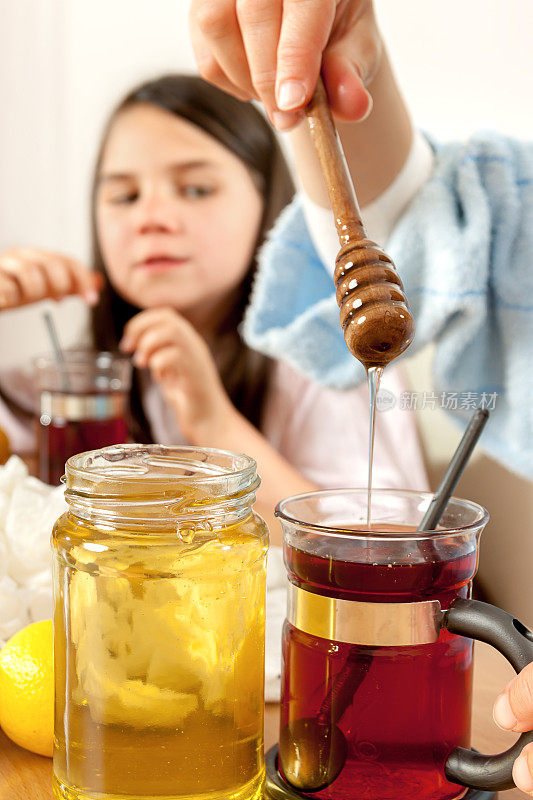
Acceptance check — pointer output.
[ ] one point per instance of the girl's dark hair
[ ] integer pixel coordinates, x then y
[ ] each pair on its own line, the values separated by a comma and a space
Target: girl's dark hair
243, 130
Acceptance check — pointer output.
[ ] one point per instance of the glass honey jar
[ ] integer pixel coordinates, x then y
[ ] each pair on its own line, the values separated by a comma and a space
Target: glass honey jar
159, 579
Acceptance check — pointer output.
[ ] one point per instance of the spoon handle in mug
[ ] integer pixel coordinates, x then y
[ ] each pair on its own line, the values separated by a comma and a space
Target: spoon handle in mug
344, 685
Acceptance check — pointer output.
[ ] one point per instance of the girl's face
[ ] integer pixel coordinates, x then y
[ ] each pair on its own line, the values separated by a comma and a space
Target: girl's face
177, 214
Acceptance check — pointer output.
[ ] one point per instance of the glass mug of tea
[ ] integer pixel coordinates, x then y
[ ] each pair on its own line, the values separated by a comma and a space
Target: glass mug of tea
159, 584
377, 649
83, 402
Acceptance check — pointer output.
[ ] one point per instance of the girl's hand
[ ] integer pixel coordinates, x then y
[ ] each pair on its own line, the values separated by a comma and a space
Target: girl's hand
28, 275
273, 50
513, 711
181, 363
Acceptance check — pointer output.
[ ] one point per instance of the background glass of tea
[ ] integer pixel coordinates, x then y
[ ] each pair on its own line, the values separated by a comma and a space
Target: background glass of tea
83, 403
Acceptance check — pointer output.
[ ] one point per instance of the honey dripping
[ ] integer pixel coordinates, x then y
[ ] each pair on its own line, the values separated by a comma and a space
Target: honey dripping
374, 313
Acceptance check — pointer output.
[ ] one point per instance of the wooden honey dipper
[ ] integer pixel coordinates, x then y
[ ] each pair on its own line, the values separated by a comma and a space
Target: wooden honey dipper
375, 316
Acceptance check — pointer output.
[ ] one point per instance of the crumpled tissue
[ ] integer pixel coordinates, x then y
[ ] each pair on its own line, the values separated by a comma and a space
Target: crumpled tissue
28, 510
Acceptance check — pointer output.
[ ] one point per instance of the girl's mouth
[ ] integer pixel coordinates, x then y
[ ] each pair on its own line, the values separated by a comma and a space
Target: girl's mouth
162, 262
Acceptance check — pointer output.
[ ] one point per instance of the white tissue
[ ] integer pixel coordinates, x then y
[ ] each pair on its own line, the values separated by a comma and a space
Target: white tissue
3, 558
33, 509
13, 611
12, 473
4, 505
28, 510
39, 596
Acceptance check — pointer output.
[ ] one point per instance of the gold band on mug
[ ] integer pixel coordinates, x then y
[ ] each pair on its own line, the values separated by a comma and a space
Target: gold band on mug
354, 622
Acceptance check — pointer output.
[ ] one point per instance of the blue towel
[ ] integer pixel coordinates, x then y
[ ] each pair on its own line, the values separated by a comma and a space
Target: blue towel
464, 250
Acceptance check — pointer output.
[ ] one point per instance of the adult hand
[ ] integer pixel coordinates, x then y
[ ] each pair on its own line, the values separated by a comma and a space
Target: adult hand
272, 50
181, 363
28, 275
513, 711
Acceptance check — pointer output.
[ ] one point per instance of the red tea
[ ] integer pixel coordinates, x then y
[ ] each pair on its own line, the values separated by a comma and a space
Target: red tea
413, 706
60, 437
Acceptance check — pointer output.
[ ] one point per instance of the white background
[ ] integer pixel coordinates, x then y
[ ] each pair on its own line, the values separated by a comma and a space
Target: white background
463, 65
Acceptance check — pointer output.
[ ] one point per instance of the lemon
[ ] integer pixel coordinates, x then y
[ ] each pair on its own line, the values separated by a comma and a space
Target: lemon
27, 688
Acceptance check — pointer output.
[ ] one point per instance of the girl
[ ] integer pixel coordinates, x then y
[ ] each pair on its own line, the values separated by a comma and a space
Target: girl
187, 183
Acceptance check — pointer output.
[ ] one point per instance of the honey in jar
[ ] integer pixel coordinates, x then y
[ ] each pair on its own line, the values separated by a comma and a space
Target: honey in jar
159, 626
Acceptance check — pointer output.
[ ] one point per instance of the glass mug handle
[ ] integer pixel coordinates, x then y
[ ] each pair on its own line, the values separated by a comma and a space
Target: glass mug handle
489, 624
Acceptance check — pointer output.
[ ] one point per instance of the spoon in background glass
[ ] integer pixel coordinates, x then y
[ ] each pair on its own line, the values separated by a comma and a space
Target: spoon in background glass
58, 352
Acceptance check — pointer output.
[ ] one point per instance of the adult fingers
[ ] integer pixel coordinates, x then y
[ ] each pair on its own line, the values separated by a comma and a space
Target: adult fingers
523, 770
211, 71
350, 62
260, 26
513, 709
218, 46
348, 98
305, 28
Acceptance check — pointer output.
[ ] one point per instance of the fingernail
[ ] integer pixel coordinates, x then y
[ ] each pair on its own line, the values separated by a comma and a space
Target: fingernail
125, 344
502, 713
369, 109
138, 360
91, 297
291, 94
521, 774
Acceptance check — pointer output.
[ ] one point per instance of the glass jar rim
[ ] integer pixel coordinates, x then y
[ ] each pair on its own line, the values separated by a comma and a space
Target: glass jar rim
156, 485
338, 531
115, 453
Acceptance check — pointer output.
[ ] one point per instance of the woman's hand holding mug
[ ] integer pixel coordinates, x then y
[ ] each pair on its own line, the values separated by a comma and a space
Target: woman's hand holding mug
513, 711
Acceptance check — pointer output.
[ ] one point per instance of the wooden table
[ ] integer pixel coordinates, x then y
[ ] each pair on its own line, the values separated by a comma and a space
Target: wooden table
24, 776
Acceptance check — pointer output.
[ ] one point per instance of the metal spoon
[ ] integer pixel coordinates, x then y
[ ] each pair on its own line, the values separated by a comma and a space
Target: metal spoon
58, 352
312, 752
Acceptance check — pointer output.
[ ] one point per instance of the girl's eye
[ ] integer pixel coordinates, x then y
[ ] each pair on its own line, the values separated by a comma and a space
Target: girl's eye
196, 191
125, 197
